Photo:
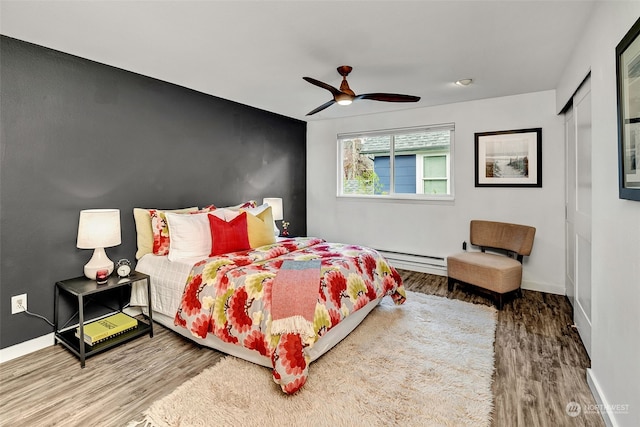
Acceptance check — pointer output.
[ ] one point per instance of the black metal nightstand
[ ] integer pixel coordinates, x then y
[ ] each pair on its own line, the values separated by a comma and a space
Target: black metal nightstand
82, 287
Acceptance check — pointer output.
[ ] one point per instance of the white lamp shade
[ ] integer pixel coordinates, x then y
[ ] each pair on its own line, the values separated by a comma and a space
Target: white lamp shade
276, 207
99, 228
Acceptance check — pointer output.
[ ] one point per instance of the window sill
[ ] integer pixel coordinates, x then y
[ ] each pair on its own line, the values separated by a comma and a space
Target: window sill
409, 198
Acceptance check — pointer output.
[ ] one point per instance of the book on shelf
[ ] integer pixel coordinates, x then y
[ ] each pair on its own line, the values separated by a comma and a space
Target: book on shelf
107, 327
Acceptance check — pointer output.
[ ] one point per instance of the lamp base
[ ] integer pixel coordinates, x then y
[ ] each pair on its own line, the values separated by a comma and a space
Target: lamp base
98, 263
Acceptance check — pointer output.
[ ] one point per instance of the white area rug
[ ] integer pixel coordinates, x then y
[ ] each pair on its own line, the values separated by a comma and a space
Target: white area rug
428, 362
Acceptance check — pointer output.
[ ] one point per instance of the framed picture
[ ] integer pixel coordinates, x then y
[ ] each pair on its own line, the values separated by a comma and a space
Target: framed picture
628, 84
510, 158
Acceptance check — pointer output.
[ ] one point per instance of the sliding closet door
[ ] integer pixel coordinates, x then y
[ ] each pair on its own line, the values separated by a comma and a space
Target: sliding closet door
578, 210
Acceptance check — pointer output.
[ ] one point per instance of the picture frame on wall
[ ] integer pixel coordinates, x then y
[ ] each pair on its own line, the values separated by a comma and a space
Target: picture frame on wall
628, 88
511, 158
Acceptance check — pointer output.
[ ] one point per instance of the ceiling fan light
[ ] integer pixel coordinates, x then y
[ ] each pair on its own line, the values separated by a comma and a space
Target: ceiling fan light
343, 99
464, 82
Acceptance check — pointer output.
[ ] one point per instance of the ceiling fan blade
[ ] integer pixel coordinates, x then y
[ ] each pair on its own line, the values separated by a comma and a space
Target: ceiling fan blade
323, 85
322, 107
388, 97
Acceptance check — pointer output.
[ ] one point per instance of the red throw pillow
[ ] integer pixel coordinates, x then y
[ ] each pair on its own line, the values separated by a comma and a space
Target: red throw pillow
229, 236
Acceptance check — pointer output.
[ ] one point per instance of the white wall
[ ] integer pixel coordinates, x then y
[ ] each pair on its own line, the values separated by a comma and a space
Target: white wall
615, 334
438, 228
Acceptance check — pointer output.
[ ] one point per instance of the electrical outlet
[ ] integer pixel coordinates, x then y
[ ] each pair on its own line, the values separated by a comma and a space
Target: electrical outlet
18, 303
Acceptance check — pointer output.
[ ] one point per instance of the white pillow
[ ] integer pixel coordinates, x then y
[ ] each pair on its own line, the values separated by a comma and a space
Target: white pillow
190, 235
225, 213
144, 232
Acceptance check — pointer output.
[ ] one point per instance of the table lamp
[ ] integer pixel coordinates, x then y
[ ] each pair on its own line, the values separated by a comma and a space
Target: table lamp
276, 210
99, 229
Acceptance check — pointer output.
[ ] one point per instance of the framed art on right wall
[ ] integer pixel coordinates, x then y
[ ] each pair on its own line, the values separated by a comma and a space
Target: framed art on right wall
628, 87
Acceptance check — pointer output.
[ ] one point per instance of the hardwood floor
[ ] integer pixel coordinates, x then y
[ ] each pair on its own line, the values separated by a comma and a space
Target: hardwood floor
540, 368
540, 364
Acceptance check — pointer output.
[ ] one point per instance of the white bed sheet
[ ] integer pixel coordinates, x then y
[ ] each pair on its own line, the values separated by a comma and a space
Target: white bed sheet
168, 279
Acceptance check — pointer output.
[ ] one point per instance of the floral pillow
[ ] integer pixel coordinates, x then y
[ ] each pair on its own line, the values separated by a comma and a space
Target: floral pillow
160, 230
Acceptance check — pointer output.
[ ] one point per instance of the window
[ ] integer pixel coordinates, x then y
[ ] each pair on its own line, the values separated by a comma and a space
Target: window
400, 163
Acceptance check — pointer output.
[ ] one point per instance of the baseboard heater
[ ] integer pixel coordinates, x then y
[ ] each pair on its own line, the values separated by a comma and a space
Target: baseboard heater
415, 262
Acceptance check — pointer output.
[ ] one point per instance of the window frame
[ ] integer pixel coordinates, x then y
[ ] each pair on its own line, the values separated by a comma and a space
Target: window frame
392, 195
420, 178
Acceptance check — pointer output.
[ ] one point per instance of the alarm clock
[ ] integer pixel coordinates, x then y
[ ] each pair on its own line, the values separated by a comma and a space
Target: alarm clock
123, 268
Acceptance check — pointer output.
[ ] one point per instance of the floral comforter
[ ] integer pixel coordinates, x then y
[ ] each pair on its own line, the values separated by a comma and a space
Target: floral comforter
230, 296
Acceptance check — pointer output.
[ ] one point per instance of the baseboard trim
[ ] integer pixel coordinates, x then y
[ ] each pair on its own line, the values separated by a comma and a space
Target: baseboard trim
544, 287
24, 348
601, 401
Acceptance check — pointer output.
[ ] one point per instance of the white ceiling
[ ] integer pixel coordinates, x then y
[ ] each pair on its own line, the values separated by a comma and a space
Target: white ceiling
256, 52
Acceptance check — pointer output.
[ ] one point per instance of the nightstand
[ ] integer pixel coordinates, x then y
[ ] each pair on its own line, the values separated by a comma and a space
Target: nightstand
85, 289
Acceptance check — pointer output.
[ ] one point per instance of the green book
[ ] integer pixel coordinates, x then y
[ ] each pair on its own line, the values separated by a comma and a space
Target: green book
108, 327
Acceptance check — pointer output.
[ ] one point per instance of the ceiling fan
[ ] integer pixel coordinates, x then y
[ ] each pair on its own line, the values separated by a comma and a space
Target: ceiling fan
346, 96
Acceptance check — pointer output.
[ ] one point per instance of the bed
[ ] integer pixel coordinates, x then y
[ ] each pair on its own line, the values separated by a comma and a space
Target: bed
281, 304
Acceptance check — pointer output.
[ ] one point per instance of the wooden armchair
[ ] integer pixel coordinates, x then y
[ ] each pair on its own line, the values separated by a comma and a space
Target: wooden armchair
494, 272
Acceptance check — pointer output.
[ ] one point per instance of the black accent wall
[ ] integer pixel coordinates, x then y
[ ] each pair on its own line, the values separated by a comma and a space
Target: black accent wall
76, 134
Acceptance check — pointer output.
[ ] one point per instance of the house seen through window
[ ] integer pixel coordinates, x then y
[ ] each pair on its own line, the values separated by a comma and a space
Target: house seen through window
399, 162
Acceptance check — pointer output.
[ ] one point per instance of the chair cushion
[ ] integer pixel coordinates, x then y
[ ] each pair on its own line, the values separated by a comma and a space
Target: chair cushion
497, 273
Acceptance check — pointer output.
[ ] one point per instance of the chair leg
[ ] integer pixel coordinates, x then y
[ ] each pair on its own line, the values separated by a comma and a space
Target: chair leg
499, 301
450, 283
